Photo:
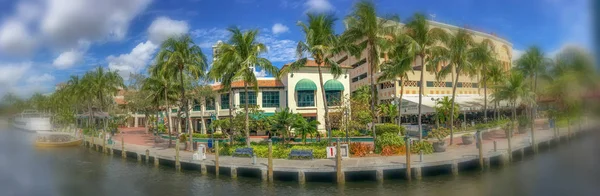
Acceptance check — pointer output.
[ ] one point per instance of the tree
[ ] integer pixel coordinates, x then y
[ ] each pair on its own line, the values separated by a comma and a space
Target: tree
203, 94
397, 66
443, 107
369, 32
458, 53
178, 55
531, 64
483, 56
422, 41
225, 71
305, 127
243, 52
162, 87
513, 89
283, 122
389, 110
322, 45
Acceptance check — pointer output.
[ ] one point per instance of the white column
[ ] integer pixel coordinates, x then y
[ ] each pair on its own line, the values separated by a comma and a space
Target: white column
135, 121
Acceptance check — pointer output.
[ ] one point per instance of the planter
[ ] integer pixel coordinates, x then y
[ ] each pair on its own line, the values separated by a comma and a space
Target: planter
522, 129
439, 146
467, 139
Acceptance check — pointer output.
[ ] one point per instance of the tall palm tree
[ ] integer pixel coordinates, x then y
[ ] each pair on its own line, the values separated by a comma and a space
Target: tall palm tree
243, 52
422, 41
443, 108
321, 44
369, 32
224, 71
459, 54
202, 94
179, 55
397, 66
513, 89
483, 56
532, 64
162, 87
493, 76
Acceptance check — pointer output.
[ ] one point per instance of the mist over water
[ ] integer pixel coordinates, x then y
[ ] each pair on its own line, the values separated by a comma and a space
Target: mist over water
570, 169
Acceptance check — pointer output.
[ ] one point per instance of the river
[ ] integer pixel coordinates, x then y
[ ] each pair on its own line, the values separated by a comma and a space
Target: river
570, 169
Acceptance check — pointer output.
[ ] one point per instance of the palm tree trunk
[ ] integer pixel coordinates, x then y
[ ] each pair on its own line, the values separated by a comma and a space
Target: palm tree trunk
373, 93
484, 94
454, 85
189, 127
400, 101
230, 116
246, 128
533, 106
185, 105
327, 125
420, 99
89, 115
168, 111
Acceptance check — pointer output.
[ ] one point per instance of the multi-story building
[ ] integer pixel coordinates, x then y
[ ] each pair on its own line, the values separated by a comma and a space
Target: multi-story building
469, 92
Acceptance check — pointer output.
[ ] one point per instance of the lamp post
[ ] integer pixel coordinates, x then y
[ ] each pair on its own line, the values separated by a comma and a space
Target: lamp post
347, 122
397, 103
437, 119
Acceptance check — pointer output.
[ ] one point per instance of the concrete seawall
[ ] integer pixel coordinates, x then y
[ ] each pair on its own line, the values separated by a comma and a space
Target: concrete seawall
354, 169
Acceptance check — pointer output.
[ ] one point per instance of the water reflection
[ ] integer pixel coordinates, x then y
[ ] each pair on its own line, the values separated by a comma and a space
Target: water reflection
25, 170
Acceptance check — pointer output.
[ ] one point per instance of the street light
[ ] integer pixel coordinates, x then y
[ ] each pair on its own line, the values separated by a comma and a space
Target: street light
397, 103
347, 122
437, 120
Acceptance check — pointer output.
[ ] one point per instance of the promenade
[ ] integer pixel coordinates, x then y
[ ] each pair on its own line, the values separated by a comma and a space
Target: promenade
456, 158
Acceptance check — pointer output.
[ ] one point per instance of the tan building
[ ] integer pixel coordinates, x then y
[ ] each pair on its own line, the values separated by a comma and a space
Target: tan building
469, 92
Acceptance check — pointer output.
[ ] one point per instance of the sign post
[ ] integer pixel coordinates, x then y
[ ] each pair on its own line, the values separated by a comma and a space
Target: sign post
331, 152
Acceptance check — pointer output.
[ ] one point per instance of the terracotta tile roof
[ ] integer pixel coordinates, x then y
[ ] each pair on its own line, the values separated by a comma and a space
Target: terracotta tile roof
312, 63
261, 84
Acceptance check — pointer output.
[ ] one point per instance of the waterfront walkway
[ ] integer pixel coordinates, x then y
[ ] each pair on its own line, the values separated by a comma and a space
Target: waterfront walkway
456, 157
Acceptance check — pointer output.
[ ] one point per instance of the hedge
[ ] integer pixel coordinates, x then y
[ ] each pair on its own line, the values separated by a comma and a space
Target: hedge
279, 151
389, 128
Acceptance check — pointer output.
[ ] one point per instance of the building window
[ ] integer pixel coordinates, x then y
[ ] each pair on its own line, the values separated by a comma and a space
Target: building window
210, 103
386, 85
360, 77
359, 63
306, 98
251, 98
225, 101
196, 106
429, 84
333, 98
459, 85
448, 84
342, 59
270, 99
173, 110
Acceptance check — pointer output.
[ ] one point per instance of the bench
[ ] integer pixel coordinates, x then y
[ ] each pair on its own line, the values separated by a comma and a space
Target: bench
246, 152
301, 154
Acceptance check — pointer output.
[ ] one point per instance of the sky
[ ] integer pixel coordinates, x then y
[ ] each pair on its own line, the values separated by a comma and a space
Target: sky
43, 42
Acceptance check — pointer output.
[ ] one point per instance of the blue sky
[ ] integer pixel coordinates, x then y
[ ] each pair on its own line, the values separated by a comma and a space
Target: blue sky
42, 42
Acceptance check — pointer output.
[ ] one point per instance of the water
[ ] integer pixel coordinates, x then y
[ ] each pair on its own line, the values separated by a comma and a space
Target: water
24, 170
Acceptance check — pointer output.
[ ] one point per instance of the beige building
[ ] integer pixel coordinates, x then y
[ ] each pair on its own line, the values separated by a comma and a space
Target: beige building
469, 92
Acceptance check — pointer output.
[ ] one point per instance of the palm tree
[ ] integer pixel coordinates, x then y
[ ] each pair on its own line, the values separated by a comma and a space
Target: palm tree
531, 64
322, 45
422, 41
369, 32
162, 87
513, 89
203, 93
178, 55
443, 109
397, 67
283, 122
224, 71
483, 56
242, 53
493, 76
458, 53
305, 127
389, 110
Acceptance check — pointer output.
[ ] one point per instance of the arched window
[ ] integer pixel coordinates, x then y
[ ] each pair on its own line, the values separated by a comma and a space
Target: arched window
333, 92
305, 91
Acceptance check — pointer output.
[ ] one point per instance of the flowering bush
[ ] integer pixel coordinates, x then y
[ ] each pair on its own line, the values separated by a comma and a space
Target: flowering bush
360, 149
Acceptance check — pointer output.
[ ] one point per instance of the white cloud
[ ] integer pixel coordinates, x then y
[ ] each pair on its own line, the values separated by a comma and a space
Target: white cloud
11, 73
40, 79
162, 28
279, 50
133, 62
260, 74
66, 22
209, 37
318, 6
15, 38
68, 59
279, 28
517, 54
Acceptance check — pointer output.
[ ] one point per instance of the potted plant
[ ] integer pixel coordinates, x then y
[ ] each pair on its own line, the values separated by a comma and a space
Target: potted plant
183, 139
523, 123
440, 134
467, 139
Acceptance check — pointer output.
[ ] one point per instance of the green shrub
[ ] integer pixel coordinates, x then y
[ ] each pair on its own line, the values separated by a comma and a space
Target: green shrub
523, 121
279, 151
417, 146
389, 128
338, 133
355, 133
388, 139
440, 134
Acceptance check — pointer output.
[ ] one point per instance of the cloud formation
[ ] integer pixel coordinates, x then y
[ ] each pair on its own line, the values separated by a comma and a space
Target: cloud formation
15, 39
68, 59
318, 6
163, 27
279, 28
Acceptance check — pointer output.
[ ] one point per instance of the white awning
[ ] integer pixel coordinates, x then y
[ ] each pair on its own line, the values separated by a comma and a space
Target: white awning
410, 103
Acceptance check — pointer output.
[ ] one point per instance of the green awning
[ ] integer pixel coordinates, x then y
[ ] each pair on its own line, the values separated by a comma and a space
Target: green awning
333, 85
306, 85
261, 115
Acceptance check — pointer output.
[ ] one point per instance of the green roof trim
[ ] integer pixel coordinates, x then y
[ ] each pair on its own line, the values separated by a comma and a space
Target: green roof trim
305, 85
333, 85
